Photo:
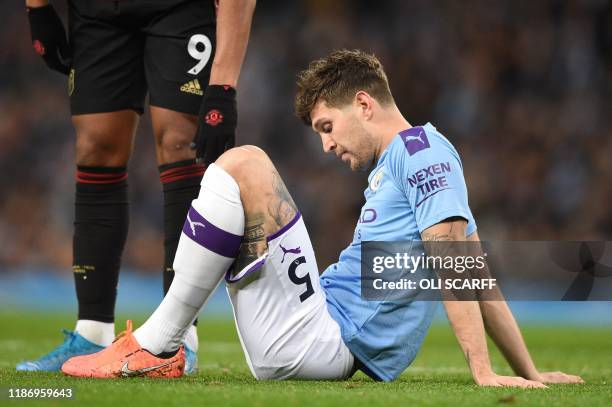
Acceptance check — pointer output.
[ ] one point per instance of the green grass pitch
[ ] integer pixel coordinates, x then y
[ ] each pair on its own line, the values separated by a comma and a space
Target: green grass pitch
438, 376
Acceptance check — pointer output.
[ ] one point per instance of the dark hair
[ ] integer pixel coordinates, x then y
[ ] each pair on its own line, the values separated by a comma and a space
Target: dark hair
336, 78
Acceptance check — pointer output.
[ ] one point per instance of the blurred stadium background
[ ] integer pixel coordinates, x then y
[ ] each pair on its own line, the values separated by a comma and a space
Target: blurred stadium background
523, 90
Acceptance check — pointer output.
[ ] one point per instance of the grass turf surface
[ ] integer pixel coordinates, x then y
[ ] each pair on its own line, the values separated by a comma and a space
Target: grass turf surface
438, 376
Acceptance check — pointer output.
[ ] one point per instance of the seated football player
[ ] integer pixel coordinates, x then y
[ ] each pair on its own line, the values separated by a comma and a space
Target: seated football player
244, 227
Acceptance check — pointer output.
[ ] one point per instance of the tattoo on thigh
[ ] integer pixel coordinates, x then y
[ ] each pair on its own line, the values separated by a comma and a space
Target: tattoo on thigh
281, 208
253, 242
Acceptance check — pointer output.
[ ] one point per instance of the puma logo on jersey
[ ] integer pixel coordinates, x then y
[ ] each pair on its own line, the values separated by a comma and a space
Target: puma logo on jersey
297, 250
415, 143
193, 225
418, 138
127, 372
192, 87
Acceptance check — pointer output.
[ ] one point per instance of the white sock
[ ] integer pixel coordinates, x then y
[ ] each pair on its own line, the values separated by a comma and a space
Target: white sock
207, 248
100, 333
191, 338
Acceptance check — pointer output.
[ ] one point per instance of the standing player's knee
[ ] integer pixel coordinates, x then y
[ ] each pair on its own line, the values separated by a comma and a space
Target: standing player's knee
173, 146
97, 150
104, 139
174, 132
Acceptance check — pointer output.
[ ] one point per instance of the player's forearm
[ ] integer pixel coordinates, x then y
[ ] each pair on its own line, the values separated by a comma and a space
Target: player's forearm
233, 29
466, 321
464, 316
503, 329
36, 3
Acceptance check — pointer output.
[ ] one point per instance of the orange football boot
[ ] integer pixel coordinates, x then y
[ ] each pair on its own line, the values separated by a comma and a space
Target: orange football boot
125, 358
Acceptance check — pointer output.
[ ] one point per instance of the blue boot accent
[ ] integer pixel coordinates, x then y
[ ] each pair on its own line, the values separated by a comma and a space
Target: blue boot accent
74, 345
191, 361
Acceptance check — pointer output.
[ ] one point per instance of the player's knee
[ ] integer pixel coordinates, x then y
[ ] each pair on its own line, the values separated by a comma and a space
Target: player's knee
173, 146
243, 153
174, 132
105, 139
244, 162
95, 149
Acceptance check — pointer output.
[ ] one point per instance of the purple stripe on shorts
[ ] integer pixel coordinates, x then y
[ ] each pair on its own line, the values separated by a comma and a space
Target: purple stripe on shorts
259, 263
285, 228
211, 237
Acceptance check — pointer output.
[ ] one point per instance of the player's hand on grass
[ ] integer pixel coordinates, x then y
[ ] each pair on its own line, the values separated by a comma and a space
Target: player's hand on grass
216, 123
49, 38
494, 380
557, 377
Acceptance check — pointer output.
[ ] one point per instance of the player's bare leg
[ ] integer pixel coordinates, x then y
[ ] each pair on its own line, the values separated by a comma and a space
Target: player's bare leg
105, 139
241, 193
242, 201
242, 207
268, 206
180, 176
173, 132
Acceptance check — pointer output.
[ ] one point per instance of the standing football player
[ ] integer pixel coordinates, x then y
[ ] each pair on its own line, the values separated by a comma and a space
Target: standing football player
187, 54
292, 323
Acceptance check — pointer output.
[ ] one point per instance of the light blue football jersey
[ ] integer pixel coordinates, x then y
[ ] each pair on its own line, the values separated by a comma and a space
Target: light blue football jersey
418, 182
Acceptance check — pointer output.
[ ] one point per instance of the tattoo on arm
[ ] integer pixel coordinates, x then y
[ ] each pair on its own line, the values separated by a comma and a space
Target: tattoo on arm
253, 242
281, 207
438, 240
439, 237
280, 210
445, 239
448, 235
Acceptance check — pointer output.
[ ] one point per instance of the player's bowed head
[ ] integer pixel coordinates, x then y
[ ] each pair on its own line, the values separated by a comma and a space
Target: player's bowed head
346, 99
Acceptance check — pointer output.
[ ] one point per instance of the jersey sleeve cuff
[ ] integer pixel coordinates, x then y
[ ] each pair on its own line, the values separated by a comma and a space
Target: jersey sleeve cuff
440, 216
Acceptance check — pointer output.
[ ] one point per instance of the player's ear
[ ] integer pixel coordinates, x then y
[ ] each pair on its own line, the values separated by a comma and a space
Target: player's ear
364, 104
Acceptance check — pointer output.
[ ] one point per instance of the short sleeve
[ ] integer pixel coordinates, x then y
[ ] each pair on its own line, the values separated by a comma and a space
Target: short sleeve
427, 169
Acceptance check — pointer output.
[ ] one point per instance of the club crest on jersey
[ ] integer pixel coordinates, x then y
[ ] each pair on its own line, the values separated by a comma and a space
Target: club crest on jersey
415, 140
377, 179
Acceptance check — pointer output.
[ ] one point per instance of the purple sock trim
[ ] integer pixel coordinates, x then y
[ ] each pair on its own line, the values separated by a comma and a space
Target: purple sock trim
211, 237
285, 228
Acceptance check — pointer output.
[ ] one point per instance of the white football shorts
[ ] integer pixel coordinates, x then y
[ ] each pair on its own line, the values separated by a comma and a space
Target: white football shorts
281, 315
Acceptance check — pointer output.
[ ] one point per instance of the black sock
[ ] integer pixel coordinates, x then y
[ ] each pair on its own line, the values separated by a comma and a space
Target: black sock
100, 230
181, 182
